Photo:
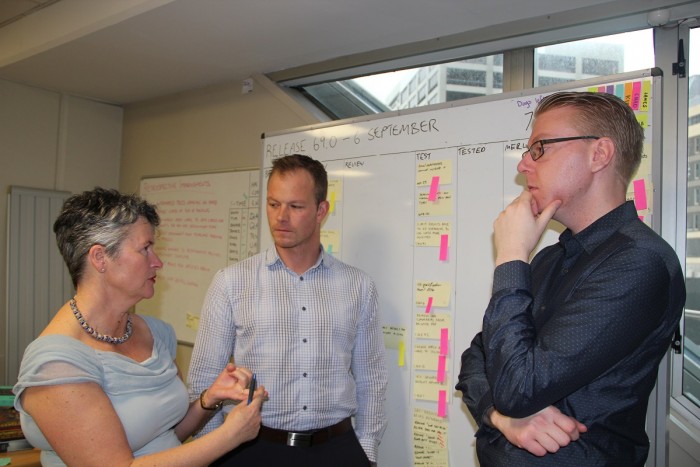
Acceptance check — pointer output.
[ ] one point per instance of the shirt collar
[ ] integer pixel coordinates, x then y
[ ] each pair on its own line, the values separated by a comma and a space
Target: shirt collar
600, 230
272, 258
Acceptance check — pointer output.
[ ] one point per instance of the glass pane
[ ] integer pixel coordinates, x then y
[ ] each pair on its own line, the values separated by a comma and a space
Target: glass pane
691, 338
414, 87
433, 84
600, 56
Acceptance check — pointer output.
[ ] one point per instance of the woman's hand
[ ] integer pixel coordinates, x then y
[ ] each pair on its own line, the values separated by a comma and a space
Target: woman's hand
244, 420
231, 384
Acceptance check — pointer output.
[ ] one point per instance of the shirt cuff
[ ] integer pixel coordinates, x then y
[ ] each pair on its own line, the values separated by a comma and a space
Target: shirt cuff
511, 275
371, 448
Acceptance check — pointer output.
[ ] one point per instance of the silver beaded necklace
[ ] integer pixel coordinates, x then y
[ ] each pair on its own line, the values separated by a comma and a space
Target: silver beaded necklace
93, 332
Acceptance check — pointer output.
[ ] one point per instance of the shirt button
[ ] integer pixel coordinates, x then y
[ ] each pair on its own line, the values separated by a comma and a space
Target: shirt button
304, 407
301, 278
304, 374
303, 308
304, 340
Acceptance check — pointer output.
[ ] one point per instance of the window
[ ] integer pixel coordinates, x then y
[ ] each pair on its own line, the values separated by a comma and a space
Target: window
433, 81
455, 95
691, 338
477, 61
407, 88
422, 93
599, 56
552, 62
466, 77
482, 75
498, 80
598, 67
548, 80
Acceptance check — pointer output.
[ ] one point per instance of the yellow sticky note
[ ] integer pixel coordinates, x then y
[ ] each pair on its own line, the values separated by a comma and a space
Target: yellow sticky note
331, 202
425, 356
430, 325
441, 206
430, 233
427, 388
335, 188
393, 335
427, 170
330, 239
440, 291
192, 321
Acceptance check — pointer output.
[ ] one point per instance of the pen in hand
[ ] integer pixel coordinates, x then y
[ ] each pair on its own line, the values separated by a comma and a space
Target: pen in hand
251, 388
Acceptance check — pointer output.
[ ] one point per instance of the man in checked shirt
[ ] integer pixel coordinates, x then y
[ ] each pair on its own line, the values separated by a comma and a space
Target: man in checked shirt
307, 325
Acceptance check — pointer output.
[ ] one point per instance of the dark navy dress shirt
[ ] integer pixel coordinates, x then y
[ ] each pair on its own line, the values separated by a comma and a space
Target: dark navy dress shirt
582, 328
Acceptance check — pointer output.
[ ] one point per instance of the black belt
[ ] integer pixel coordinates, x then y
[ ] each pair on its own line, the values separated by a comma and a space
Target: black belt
305, 438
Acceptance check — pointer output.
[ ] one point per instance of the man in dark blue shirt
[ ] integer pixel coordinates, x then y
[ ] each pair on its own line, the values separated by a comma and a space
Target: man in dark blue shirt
571, 342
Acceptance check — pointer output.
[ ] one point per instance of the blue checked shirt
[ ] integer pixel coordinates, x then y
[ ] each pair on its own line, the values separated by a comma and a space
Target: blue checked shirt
314, 340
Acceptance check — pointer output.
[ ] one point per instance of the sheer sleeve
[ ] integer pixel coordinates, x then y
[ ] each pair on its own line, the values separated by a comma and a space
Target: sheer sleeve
57, 359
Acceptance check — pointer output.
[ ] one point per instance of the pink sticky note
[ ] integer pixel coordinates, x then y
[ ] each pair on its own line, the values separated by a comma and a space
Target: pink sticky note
442, 403
443, 341
636, 95
443, 247
442, 360
429, 305
640, 194
434, 184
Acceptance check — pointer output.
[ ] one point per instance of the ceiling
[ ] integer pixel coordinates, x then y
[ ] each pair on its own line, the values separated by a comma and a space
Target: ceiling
124, 51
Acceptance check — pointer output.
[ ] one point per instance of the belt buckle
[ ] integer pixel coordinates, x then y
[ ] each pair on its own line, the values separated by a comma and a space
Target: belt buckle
299, 440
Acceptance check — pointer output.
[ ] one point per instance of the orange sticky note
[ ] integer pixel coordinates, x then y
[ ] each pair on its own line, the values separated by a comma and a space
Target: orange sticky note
628, 94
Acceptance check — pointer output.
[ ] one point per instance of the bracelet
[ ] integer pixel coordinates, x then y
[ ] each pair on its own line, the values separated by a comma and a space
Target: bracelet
216, 406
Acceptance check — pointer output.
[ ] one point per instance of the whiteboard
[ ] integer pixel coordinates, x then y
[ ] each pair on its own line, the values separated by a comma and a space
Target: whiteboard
208, 221
413, 198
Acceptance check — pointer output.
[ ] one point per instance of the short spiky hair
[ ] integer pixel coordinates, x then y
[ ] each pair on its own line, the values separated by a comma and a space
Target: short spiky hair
295, 162
602, 114
97, 217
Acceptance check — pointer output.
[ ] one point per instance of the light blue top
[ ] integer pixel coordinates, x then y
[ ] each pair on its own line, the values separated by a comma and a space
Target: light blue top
149, 397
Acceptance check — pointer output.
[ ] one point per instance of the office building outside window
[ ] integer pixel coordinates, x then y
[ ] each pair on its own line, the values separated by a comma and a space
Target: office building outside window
691, 338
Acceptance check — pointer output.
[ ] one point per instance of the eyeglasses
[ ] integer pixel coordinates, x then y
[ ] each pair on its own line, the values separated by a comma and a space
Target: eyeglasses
536, 149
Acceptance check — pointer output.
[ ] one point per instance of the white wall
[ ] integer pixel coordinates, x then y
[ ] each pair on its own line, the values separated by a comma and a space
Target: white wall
52, 141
